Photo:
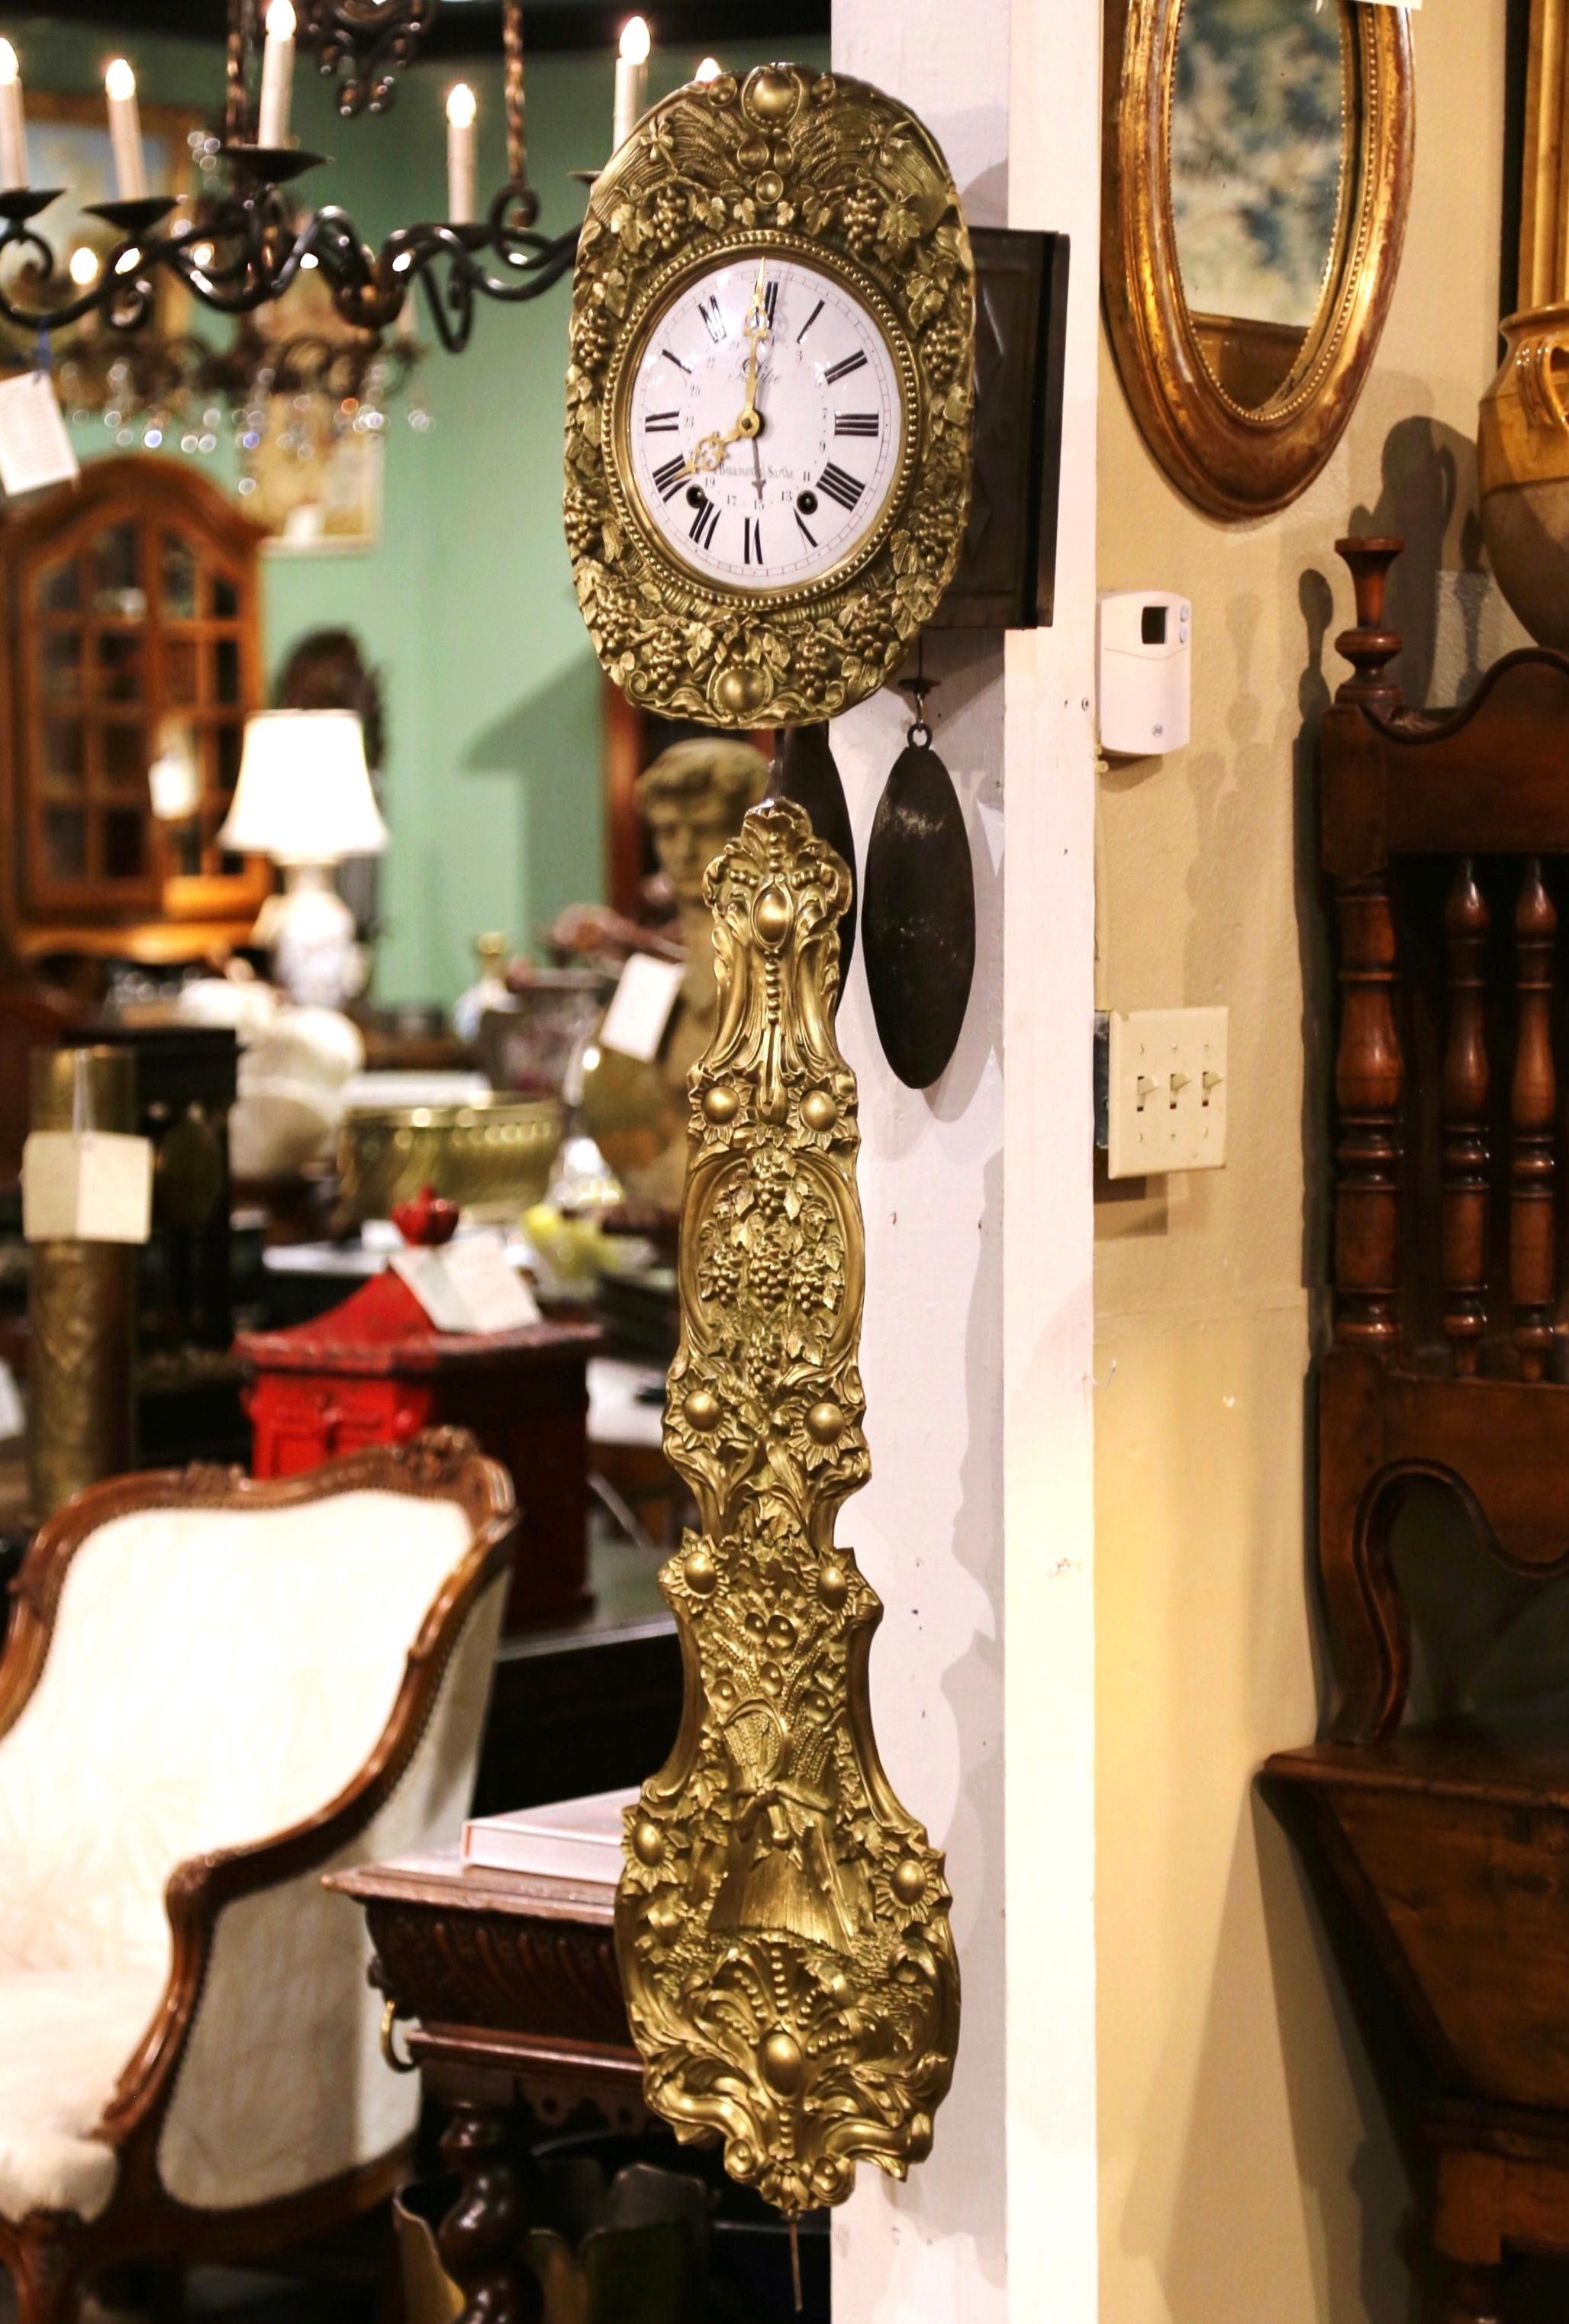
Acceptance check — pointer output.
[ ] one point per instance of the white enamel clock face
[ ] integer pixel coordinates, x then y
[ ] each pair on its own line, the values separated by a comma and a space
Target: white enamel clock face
764, 424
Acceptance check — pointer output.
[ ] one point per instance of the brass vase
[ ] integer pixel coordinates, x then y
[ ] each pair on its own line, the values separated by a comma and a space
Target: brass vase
81, 1300
1523, 464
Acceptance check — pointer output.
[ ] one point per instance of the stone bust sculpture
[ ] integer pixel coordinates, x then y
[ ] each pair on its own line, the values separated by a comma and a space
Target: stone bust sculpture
694, 798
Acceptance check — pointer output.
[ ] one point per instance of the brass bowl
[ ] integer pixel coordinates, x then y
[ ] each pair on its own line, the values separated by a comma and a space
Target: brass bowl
491, 1156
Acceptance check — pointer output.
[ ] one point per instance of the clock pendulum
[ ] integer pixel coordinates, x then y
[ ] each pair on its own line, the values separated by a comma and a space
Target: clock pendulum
804, 770
919, 908
782, 1921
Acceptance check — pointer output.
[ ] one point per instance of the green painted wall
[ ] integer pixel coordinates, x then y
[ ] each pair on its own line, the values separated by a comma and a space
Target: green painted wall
467, 607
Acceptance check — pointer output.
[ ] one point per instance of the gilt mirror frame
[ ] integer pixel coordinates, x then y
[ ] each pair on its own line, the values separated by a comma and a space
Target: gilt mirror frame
1232, 461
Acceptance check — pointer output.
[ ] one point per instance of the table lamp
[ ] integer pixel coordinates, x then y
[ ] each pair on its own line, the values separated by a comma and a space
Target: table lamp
304, 797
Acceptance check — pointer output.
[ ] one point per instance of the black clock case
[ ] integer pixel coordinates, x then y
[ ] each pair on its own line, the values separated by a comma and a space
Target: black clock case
1006, 578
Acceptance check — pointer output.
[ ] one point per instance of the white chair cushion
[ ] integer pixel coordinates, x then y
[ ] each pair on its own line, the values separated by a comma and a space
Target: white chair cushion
214, 1677
65, 2039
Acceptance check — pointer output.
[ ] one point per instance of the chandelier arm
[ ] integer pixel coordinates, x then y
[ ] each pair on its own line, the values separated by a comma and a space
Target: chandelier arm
550, 258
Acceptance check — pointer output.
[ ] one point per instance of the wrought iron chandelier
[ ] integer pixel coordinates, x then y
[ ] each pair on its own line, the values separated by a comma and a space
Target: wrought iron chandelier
237, 250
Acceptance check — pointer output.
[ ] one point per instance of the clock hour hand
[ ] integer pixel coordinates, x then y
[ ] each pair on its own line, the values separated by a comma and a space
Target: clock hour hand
707, 453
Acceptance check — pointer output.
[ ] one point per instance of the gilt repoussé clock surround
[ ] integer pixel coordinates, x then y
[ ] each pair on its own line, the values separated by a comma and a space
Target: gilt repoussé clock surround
770, 398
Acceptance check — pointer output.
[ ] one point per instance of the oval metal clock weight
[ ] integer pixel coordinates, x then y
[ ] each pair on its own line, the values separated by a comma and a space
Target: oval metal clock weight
828, 174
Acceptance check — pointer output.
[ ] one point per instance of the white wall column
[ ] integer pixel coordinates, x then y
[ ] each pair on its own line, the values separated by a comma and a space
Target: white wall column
977, 1526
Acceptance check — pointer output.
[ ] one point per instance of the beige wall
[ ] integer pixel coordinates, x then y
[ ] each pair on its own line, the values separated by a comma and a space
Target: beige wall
1248, 2168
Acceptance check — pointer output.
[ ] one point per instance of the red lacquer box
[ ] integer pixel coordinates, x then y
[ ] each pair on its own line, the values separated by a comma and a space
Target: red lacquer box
376, 1371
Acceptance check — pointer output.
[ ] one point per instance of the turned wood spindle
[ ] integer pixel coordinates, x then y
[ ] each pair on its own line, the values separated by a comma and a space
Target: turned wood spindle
1368, 1081
480, 2240
1466, 1088
1372, 645
1533, 1103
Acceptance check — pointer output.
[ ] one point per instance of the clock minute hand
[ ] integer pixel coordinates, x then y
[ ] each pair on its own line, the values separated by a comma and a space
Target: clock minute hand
707, 455
757, 329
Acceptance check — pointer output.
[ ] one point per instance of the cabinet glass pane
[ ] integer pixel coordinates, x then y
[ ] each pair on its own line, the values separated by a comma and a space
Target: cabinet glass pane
62, 661
118, 572
179, 671
59, 587
65, 843
64, 751
125, 755
179, 579
119, 659
228, 671
225, 598
125, 843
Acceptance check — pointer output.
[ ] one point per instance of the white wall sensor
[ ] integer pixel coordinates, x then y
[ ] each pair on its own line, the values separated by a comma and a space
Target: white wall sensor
1145, 661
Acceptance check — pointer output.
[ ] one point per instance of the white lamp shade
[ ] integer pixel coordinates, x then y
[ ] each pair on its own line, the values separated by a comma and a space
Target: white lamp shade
304, 794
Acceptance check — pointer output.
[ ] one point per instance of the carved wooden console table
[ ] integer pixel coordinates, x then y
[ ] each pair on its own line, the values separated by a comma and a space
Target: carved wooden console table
513, 1986
1446, 840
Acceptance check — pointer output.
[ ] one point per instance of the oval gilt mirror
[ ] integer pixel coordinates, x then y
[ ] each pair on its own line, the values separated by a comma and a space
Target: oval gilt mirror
1258, 165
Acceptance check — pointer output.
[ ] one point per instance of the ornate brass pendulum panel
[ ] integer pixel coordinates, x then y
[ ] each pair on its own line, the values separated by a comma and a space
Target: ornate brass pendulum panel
782, 1923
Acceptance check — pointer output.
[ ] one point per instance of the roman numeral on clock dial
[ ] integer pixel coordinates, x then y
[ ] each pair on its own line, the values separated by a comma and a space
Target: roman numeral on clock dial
705, 523
770, 301
843, 368
751, 540
668, 479
854, 423
661, 423
712, 315
844, 489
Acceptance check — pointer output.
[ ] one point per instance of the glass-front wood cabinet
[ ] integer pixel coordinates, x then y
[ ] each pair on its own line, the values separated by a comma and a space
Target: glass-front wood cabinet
133, 660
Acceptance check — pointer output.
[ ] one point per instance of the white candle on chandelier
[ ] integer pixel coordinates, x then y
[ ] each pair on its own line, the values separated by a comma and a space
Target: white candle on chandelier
13, 123
277, 76
126, 132
461, 109
632, 79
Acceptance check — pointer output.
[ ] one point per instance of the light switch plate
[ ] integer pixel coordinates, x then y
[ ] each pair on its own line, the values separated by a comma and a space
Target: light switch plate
1165, 1091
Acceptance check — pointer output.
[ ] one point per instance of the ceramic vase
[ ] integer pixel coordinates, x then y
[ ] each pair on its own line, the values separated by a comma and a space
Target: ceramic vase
1523, 461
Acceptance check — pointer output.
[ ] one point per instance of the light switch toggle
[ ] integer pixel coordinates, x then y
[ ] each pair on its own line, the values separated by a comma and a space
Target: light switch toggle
1180, 1053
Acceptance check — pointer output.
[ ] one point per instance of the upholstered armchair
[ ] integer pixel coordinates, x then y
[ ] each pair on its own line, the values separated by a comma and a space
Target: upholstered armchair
215, 1692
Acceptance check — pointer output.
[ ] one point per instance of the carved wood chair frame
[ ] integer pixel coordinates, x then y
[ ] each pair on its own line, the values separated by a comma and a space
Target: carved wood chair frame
52, 2255
1481, 783
1231, 461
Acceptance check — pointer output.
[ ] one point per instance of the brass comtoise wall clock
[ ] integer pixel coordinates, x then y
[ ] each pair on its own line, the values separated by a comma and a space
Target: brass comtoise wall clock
770, 398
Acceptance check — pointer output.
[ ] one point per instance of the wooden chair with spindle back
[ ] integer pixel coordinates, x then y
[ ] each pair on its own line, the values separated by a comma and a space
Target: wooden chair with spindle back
1441, 841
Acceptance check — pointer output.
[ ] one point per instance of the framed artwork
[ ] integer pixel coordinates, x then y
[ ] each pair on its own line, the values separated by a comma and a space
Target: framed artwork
312, 491
1258, 156
1256, 162
314, 487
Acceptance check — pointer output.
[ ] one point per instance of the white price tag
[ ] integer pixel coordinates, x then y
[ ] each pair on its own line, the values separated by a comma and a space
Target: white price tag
89, 1186
35, 447
469, 1285
640, 1007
